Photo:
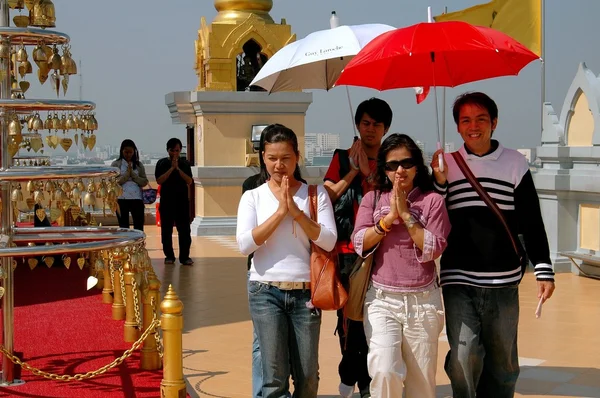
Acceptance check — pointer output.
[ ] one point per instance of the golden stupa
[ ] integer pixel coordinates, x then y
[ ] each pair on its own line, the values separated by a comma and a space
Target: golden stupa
241, 38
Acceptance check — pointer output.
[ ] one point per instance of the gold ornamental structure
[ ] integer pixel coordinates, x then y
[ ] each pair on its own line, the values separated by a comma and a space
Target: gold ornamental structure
117, 258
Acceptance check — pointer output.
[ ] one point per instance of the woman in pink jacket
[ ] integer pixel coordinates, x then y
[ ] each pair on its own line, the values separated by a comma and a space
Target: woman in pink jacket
404, 224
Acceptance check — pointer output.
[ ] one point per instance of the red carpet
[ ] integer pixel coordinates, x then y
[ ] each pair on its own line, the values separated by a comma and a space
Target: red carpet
64, 329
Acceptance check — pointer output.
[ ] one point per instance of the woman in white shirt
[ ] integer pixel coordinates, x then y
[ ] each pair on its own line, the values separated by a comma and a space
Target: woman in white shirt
132, 178
274, 223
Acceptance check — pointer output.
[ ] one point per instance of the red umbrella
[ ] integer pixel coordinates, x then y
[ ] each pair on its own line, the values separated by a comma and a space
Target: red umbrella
435, 54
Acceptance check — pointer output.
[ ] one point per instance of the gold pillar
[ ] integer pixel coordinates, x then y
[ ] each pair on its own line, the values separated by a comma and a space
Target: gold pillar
107, 291
116, 263
130, 330
149, 358
171, 321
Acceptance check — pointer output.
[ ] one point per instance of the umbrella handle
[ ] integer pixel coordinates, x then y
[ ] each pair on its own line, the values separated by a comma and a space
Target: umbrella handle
440, 158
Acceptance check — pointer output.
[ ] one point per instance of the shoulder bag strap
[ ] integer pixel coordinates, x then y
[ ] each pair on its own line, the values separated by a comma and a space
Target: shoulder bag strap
462, 165
312, 197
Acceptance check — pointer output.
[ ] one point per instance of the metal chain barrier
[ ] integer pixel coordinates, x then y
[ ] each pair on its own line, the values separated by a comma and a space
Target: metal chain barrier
159, 346
84, 376
136, 303
122, 283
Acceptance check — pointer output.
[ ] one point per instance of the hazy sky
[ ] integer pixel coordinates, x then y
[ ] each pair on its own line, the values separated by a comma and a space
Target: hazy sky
134, 52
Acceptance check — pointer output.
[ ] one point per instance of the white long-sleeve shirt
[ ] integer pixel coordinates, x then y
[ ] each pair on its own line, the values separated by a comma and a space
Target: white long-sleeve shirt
285, 255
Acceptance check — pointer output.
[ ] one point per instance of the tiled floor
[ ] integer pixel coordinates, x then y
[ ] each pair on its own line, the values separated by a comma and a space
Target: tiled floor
559, 353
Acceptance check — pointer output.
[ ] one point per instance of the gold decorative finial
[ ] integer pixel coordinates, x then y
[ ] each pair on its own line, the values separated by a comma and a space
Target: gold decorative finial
235, 11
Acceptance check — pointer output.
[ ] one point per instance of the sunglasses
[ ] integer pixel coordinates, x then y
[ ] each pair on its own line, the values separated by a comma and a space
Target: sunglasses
406, 164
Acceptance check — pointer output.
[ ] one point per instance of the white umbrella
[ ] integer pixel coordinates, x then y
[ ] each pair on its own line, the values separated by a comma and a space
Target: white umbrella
316, 61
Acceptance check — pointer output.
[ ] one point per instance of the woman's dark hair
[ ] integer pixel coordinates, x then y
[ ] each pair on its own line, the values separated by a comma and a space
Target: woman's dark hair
422, 179
272, 134
130, 144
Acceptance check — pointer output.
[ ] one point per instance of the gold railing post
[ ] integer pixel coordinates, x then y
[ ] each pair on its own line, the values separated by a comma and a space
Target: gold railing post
116, 263
107, 291
171, 320
130, 331
149, 358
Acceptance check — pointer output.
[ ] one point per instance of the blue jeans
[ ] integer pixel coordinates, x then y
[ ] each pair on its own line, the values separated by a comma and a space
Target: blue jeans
482, 324
256, 367
288, 334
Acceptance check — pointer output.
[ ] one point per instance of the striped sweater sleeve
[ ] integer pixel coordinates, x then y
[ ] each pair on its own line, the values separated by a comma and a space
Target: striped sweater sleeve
531, 225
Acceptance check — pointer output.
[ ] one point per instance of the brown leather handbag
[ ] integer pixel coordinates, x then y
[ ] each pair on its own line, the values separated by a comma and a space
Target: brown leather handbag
327, 291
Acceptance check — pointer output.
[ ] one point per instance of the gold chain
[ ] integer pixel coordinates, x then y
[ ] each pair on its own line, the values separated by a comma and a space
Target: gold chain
136, 303
159, 346
83, 376
122, 283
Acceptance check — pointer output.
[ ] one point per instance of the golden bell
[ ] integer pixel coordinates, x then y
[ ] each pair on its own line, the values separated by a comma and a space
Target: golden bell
65, 186
48, 122
43, 14
16, 4
54, 62
39, 54
80, 185
49, 186
24, 85
25, 68
17, 194
89, 199
38, 196
21, 54
56, 122
14, 127
76, 193
70, 123
4, 50
37, 123
91, 187
72, 70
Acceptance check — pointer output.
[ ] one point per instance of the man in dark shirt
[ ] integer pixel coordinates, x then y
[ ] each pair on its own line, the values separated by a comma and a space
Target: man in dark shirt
174, 175
347, 180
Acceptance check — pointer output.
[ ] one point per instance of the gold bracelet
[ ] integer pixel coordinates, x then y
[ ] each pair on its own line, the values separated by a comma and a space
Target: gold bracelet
383, 226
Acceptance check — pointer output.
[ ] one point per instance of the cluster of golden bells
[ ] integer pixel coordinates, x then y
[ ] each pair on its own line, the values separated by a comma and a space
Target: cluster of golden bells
41, 13
50, 64
47, 57
70, 198
66, 122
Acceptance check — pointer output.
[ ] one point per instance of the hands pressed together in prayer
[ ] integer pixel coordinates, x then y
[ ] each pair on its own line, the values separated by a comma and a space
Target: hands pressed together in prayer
358, 158
286, 200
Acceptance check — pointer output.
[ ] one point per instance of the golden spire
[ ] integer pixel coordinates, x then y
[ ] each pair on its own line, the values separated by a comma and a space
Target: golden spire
235, 11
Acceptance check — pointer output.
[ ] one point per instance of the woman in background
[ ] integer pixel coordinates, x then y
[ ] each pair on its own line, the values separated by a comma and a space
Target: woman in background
132, 178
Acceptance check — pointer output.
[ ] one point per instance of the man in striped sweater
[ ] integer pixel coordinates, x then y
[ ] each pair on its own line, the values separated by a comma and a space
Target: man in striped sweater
480, 270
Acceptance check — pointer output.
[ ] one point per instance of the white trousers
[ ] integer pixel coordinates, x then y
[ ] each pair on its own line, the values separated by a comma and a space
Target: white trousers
402, 331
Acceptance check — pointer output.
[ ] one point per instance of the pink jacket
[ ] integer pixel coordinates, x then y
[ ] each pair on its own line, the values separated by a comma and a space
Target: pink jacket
399, 263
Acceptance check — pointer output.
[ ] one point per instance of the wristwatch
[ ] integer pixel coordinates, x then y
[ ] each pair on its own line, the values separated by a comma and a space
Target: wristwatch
410, 222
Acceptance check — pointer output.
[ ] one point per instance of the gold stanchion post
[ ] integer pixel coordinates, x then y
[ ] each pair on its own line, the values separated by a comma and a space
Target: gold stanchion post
116, 263
172, 384
130, 331
149, 358
107, 291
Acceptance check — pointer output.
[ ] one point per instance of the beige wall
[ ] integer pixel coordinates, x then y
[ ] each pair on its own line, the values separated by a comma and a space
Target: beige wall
589, 226
580, 129
224, 136
217, 201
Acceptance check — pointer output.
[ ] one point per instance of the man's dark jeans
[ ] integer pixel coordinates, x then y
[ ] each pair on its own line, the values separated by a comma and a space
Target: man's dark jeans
482, 324
177, 214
